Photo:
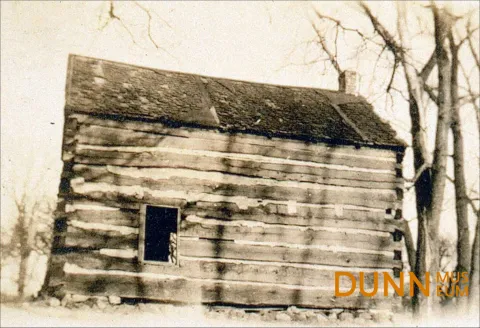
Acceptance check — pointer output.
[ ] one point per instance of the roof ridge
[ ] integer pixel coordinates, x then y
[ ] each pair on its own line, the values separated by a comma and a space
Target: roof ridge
221, 77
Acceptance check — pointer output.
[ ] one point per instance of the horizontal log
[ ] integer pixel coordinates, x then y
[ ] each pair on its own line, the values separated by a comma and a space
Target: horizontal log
96, 239
313, 217
227, 209
238, 251
231, 250
119, 203
71, 123
97, 234
103, 136
279, 273
163, 194
288, 234
207, 291
241, 186
226, 204
290, 172
122, 217
248, 139
126, 152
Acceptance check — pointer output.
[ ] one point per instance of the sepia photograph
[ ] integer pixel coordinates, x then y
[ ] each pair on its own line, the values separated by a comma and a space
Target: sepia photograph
240, 164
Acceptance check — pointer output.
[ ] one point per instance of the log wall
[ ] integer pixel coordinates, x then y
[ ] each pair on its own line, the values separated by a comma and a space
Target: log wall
264, 221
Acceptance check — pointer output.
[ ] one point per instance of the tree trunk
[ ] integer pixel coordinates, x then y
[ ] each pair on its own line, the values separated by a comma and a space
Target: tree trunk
474, 278
22, 273
423, 184
409, 245
23, 238
461, 200
418, 300
440, 155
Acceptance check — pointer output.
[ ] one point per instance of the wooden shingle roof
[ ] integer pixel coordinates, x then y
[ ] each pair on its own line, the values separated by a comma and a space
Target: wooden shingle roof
104, 88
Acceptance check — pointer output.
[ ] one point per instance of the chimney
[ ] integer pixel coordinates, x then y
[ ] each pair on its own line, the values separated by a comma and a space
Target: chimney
347, 82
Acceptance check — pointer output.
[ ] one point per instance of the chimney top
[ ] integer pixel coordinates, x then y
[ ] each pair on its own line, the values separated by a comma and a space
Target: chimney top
347, 82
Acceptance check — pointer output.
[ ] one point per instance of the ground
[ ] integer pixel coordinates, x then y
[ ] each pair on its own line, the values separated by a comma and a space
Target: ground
49, 313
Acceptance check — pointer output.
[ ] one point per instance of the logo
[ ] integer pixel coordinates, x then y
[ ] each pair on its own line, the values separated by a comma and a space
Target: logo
447, 284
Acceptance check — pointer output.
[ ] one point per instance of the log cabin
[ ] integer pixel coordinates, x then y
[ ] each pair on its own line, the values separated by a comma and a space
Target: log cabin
185, 188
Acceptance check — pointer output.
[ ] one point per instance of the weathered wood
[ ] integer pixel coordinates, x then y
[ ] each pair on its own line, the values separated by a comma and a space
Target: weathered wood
304, 216
120, 217
105, 136
225, 185
388, 225
288, 234
279, 143
279, 273
226, 249
124, 217
232, 250
55, 270
70, 130
150, 196
268, 213
205, 291
290, 172
251, 189
68, 153
96, 239
93, 235
118, 203
224, 209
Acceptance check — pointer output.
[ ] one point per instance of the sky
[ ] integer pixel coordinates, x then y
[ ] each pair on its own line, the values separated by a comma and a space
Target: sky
255, 41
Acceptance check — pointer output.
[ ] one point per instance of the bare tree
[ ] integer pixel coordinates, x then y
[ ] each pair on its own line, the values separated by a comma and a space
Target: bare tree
461, 205
31, 232
430, 169
473, 97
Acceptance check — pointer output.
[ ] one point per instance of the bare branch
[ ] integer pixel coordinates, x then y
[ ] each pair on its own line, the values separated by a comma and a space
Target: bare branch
383, 32
472, 94
429, 90
336, 42
376, 65
470, 32
395, 66
400, 93
468, 36
331, 56
339, 24
149, 25
470, 99
113, 16
470, 200
428, 68
418, 174
474, 54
